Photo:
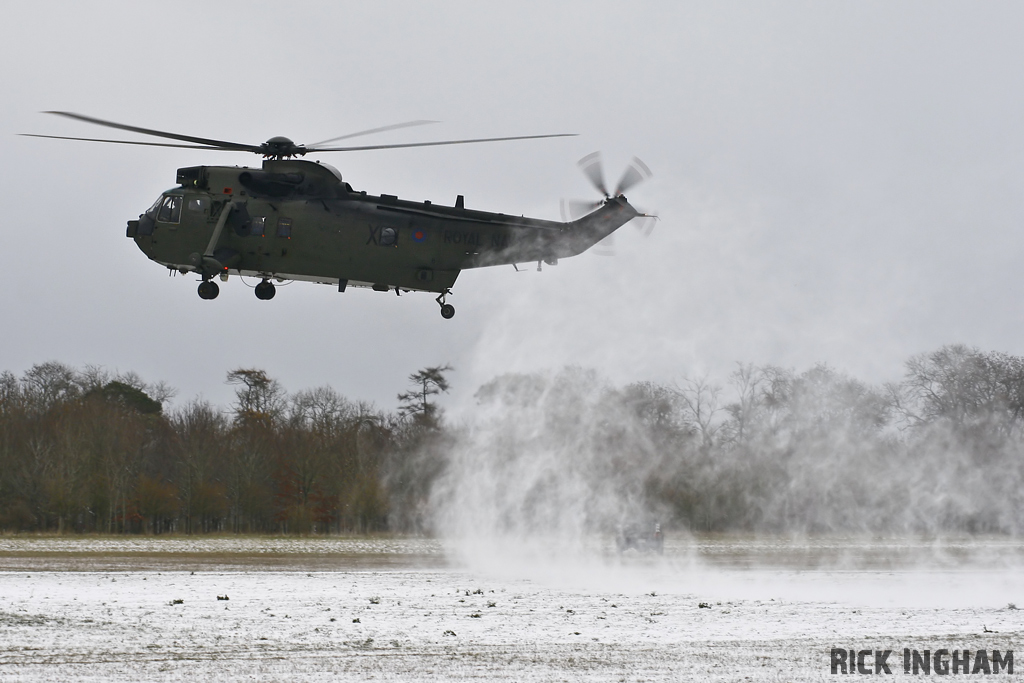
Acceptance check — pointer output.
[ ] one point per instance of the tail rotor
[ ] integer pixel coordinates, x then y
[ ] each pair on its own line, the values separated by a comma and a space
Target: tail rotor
635, 173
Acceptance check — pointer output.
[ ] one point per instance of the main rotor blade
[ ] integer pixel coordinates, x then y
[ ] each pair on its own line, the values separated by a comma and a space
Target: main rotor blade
394, 126
591, 167
158, 133
131, 142
636, 172
437, 144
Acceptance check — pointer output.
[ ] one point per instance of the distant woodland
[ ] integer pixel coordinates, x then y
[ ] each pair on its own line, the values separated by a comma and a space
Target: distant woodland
764, 449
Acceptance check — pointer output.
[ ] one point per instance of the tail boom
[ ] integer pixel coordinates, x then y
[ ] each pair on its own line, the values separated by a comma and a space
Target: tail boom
553, 241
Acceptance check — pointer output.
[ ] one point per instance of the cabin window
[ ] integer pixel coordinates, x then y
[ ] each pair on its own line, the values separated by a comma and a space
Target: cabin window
196, 204
170, 210
388, 237
284, 227
257, 225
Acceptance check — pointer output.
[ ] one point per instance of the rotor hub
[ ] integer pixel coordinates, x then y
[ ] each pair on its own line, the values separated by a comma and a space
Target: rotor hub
280, 147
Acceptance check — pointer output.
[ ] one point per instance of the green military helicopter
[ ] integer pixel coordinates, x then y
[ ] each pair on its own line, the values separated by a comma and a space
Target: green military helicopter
293, 219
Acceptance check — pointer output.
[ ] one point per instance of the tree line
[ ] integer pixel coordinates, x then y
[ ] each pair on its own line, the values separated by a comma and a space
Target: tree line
92, 451
765, 449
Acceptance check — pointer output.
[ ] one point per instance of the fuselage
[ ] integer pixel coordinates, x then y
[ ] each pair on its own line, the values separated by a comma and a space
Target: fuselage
298, 220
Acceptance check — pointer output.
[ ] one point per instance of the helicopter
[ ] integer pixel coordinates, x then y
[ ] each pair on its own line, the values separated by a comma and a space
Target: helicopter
298, 220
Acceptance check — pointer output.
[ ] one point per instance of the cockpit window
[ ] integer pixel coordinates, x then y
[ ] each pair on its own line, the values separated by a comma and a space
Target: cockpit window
151, 211
170, 210
196, 204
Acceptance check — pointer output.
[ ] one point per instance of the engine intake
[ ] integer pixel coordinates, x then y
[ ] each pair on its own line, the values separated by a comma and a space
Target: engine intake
271, 184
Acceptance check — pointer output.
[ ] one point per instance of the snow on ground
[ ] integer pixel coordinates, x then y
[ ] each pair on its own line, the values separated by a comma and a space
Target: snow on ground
409, 609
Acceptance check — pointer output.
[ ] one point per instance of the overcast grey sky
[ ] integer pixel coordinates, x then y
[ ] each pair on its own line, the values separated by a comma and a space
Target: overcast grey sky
837, 182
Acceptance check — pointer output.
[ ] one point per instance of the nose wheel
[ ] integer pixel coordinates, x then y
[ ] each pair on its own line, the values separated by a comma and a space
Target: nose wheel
265, 290
447, 310
208, 290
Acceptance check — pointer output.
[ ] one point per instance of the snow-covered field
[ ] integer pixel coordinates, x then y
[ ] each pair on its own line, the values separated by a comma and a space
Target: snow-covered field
279, 609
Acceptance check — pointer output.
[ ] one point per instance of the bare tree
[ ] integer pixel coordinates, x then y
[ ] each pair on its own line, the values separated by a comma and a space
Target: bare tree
701, 401
200, 433
746, 380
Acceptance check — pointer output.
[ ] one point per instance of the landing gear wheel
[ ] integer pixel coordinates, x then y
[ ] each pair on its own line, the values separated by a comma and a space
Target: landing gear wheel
447, 310
265, 290
208, 289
